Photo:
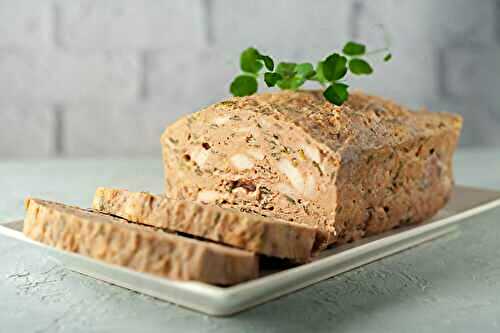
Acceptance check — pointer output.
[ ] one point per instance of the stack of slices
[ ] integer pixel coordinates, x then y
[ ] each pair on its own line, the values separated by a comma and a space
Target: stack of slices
178, 239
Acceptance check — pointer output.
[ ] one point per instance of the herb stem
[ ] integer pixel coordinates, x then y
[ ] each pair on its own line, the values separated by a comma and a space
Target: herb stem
377, 51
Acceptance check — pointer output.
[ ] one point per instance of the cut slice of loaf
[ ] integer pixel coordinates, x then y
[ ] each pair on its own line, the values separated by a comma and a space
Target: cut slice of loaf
140, 248
251, 232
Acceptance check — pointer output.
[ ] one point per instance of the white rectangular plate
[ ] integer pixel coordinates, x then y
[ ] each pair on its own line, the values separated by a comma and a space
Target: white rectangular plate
222, 301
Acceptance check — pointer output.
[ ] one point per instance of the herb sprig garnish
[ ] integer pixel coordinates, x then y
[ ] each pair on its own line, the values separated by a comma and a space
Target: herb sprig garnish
329, 72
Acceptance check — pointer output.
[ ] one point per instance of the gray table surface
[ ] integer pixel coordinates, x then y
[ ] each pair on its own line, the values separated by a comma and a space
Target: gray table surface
451, 284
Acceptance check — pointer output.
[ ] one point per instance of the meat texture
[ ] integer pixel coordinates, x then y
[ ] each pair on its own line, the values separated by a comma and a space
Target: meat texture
355, 170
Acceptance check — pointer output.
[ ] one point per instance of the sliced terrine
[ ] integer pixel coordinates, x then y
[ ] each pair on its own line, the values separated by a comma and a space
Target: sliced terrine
141, 248
264, 235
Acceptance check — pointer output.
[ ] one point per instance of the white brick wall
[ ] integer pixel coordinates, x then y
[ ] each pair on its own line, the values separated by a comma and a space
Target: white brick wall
130, 24
288, 29
26, 131
418, 30
25, 23
60, 77
473, 72
191, 79
133, 129
88, 77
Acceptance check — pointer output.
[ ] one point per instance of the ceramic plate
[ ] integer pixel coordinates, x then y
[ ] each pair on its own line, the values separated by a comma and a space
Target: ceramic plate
222, 301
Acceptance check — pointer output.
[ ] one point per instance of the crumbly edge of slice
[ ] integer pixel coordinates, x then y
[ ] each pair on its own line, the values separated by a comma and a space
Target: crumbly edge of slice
141, 248
251, 232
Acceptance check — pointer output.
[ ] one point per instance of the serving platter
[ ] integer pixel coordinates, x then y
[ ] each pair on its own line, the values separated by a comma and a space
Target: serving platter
275, 281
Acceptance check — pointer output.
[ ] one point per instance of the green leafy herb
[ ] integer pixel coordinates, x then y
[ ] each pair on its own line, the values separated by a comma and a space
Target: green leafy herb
320, 75
360, 67
305, 70
334, 67
272, 78
336, 93
354, 49
249, 61
292, 83
252, 61
329, 72
244, 85
286, 69
268, 61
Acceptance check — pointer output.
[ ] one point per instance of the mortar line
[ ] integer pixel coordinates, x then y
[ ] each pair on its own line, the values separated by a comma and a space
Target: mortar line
56, 26
441, 72
58, 130
497, 21
354, 17
207, 12
145, 66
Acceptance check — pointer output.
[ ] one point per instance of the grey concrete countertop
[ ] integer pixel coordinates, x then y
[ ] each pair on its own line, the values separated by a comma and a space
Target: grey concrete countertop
451, 284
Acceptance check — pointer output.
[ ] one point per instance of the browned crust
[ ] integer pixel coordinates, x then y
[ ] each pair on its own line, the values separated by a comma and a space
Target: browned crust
140, 248
246, 231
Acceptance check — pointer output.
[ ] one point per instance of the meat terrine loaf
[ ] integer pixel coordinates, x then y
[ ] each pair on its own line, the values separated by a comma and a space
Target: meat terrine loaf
141, 248
255, 233
354, 170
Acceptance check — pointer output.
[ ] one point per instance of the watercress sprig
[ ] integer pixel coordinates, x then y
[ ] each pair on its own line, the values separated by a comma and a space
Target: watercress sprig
329, 72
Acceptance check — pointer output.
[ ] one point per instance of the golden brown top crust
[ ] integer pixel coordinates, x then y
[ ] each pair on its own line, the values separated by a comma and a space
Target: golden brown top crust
362, 122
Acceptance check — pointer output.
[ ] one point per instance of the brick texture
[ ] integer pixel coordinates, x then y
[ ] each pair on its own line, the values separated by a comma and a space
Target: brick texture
130, 24
191, 79
133, 129
288, 29
52, 76
25, 23
101, 78
26, 131
473, 73
417, 29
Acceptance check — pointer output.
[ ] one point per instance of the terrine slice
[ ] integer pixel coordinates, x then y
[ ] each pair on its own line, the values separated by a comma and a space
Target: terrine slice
268, 236
141, 248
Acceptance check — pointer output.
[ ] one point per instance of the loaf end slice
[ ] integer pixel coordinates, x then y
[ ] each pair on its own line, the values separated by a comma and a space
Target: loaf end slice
140, 248
268, 236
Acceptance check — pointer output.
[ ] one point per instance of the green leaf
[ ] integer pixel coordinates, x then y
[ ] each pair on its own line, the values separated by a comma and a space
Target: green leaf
272, 78
243, 85
360, 67
268, 61
334, 67
249, 61
354, 49
319, 76
297, 82
305, 70
291, 84
293, 75
388, 57
286, 69
336, 93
